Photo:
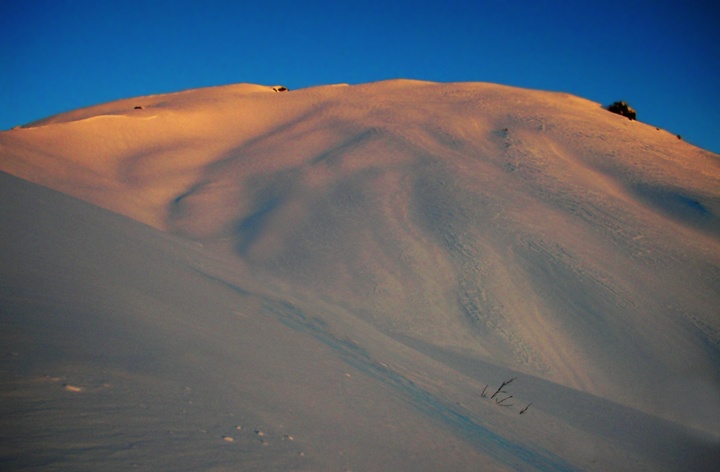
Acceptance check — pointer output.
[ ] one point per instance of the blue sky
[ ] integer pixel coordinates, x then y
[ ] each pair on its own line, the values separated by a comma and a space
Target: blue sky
663, 57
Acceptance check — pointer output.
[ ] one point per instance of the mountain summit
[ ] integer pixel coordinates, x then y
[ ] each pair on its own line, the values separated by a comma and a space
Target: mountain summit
366, 265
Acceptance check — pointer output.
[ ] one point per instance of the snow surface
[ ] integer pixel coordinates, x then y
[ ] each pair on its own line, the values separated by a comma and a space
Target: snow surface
329, 278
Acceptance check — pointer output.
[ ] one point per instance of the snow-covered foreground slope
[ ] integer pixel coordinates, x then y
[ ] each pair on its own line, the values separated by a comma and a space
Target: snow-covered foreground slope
345, 269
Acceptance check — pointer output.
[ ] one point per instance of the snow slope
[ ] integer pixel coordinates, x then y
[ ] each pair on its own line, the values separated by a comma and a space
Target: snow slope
352, 265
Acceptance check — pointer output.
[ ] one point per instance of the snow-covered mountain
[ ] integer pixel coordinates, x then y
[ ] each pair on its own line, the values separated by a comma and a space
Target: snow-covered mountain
349, 273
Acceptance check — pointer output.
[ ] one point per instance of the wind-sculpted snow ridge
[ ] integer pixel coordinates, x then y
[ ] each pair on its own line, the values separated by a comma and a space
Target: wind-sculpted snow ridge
435, 239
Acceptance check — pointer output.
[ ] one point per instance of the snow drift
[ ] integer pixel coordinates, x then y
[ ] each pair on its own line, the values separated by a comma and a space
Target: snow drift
350, 267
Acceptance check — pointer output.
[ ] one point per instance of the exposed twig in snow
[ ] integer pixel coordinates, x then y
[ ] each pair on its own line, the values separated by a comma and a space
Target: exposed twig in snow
504, 384
499, 402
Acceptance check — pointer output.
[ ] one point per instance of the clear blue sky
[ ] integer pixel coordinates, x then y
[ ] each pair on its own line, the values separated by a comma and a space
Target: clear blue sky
661, 56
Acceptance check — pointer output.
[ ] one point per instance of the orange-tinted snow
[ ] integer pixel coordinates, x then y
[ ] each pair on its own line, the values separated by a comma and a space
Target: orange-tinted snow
436, 237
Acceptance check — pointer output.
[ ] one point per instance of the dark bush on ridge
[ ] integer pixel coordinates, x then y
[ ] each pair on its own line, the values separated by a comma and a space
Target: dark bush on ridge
622, 108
